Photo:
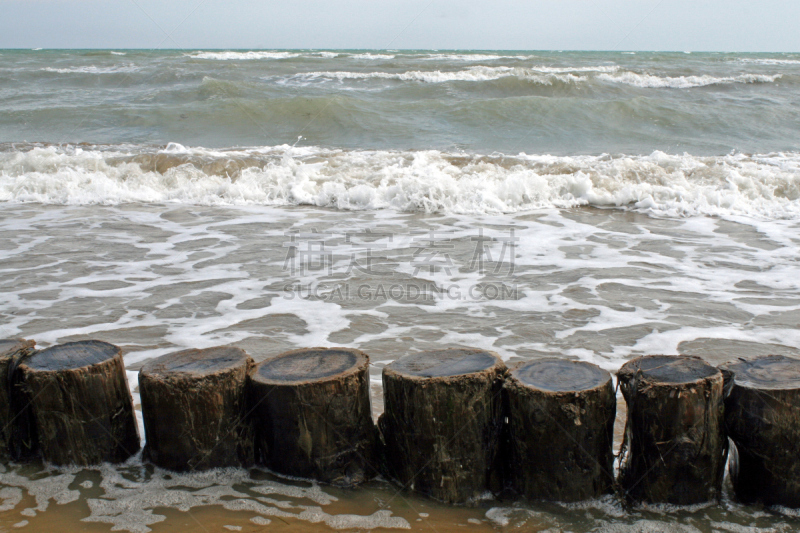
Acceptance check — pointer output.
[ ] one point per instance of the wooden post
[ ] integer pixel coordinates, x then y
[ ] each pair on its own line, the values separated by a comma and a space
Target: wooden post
17, 432
442, 422
677, 443
762, 415
81, 403
311, 415
561, 430
193, 405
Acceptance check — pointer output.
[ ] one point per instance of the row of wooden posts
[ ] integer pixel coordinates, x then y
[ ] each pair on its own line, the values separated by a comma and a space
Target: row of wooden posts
457, 423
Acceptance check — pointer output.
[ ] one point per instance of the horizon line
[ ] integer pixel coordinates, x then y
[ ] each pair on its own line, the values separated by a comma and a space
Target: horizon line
274, 49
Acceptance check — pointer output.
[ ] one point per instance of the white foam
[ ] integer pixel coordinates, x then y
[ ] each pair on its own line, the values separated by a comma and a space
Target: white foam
649, 81
542, 75
502, 517
373, 56
130, 496
10, 497
471, 57
91, 69
765, 186
647, 526
118, 53
128, 504
238, 56
770, 61
599, 68
54, 486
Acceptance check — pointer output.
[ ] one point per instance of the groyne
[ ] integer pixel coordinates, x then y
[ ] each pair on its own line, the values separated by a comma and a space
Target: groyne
458, 426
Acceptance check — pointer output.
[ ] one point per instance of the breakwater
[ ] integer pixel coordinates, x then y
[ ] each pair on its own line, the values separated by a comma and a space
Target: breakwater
458, 423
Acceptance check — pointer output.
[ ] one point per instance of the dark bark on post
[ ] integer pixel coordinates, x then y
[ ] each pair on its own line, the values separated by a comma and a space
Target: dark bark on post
193, 405
442, 422
310, 412
762, 415
81, 403
560, 430
17, 431
675, 434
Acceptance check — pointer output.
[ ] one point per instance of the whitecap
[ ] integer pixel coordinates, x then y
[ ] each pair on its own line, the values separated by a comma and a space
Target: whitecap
235, 56
770, 61
372, 56
470, 57
542, 75
649, 81
91, 69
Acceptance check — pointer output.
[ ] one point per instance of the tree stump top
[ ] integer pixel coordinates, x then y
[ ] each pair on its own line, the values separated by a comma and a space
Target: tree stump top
309, 365
444, 363
197, 363
72, 355
773, 372
14, 345
560, 375
668, 369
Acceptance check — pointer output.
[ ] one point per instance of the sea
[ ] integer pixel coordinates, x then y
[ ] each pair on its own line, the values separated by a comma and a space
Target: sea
596, 206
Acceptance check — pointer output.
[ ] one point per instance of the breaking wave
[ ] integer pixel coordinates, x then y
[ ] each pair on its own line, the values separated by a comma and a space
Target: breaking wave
541, 75
227, 56
91, 69
648, 81
766, 186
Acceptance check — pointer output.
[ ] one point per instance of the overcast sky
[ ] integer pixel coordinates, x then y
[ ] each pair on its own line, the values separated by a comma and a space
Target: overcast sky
680, 25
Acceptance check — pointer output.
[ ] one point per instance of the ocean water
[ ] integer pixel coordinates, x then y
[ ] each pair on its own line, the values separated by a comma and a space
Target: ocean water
596, 206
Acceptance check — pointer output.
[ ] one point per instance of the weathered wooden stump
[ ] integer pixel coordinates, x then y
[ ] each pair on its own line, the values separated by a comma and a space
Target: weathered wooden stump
675, 434
193, 405
560, 430
81, 403
17, 434
442, 422
311, 415
762, 415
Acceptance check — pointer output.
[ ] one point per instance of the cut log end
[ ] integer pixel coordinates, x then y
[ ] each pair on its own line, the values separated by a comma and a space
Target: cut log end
310, 365
761, 416
81, 403
677, 442
311, 415
442, 422
667, 369
561, 375
72, 355
197, 363
193, 405
445, 363
560, 430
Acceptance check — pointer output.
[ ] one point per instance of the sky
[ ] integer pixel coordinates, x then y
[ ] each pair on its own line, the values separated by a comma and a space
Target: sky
672, 25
